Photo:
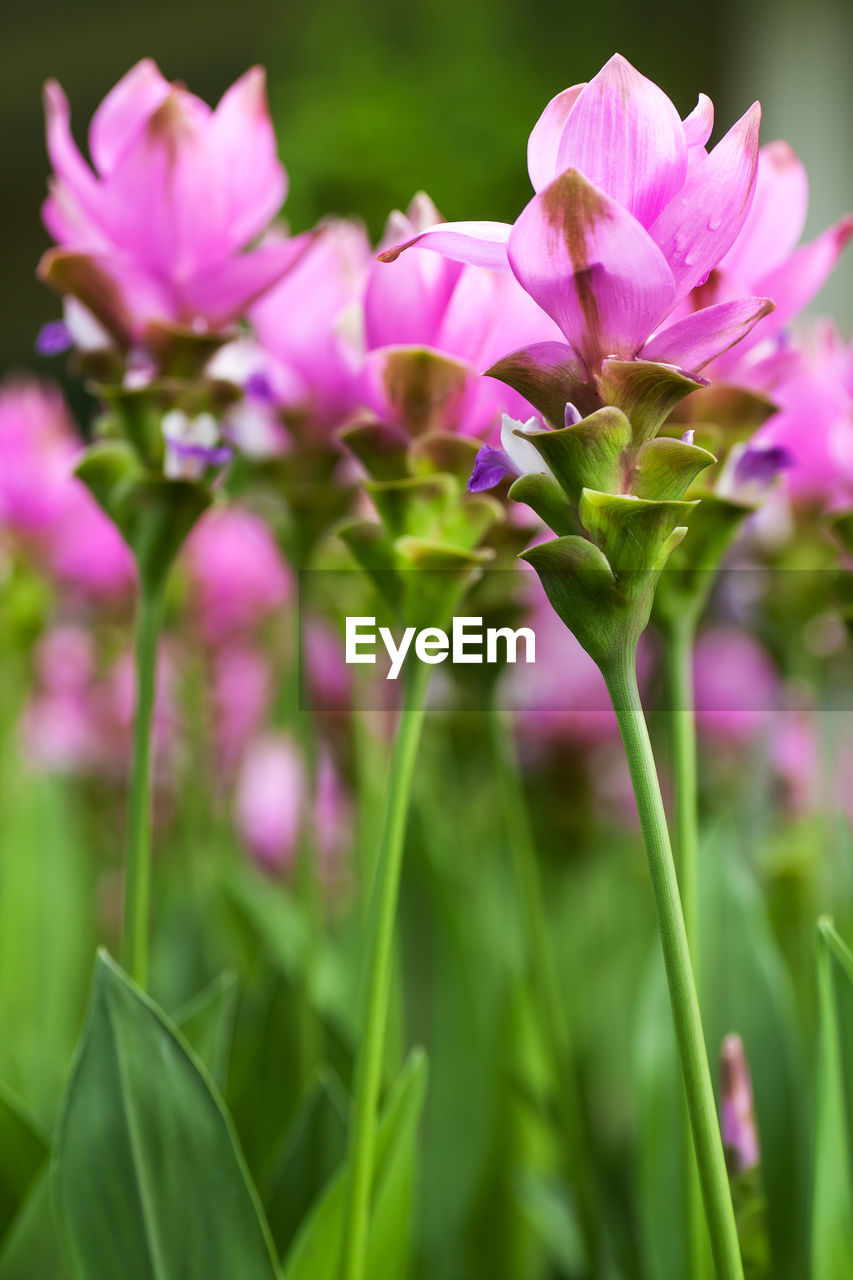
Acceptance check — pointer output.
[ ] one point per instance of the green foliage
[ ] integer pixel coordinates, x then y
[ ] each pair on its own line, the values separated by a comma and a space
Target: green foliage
149, 1180
832, 1204
314, 1255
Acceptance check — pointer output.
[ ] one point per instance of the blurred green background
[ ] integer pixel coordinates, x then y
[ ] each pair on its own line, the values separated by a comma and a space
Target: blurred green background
375, 101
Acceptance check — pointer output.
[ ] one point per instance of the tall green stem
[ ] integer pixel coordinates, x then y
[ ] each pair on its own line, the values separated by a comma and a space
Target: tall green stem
138, 866
679, 638
621, 680
376, 978
544, 978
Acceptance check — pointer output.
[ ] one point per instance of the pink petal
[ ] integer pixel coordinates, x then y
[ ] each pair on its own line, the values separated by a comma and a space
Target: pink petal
119, 119
776, 218
794, 283
243, 140
406, 305
77, 189
695, 230
700, 122
483, 244
626, 138
544, 142
222, 293
592, 267
699, 338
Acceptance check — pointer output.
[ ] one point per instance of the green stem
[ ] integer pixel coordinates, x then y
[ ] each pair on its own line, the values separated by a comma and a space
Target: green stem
138, 867
621, 679
544, 978
679, 639
377, 978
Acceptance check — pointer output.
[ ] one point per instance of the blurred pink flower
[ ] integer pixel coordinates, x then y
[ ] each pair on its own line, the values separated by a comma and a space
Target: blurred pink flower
309, 327
739, 1129
242, 688
237, 574
270, 799
765, 259
736, 686
814, 422
155, 230
631, 214
43, 504
467, 313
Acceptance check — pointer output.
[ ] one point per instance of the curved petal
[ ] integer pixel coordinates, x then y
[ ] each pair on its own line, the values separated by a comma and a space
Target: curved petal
700, 122
223, 293
78, 185
243, 142
483, 244
695, 231
119, 119
544, 141
693, 342
626, 138
592, 267
776, 217
800, 278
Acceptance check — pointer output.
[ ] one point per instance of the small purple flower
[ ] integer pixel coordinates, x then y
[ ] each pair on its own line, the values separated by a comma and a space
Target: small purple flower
760, 464
516, 457
259, 387
192, 445
53, 338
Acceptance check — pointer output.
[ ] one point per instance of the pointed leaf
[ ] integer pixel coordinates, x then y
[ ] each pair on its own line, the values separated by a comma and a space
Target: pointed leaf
207, 1023
544, 496
379, 447
588, 455
149, 1181
665, 468
645, 392
832, 1205
315, 1254
633, 532
23, 1151
31, 1248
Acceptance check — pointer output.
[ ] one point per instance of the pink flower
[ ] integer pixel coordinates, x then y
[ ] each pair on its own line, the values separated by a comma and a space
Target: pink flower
270, 800
467, 313
155, 230
43, 504
631, 214
814, 422
237, 574
243, 688
309, 327
736, 686
739, 1129
765, 260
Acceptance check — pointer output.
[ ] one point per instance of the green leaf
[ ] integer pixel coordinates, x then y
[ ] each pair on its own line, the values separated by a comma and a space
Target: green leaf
152, 514
379, 447
307, 1157
583, 591
549, 375
23, 1150
315, 1253
373, 551
746, 988
692, 570
425, 389
588, 455
442, 451
633, 533
546, 498
149, 1180
665, 468
413, 505
31, 1249
645, 392
207, 1023
832, 1203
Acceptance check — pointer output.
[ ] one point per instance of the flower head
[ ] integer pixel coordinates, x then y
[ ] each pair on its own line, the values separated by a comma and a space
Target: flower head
631, 213
154, 230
